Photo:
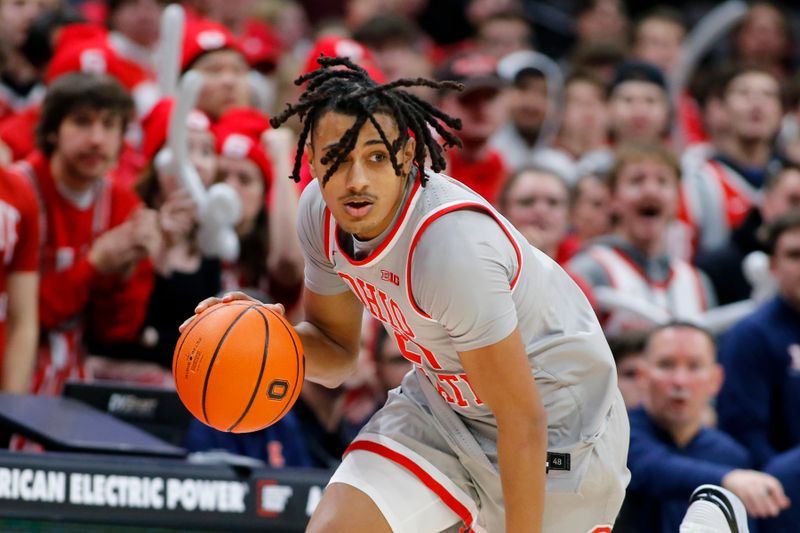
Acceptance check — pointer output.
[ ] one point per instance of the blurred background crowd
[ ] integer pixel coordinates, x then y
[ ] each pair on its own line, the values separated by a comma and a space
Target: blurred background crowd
652, 151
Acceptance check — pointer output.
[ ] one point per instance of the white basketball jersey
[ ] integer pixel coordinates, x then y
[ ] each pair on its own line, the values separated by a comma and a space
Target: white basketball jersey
568, 354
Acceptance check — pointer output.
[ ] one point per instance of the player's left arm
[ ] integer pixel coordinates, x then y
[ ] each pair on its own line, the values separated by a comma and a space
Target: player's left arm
22, 331
462, 272
501, 377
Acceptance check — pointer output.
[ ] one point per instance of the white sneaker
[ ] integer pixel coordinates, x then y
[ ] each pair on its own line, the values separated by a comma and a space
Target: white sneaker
713, 509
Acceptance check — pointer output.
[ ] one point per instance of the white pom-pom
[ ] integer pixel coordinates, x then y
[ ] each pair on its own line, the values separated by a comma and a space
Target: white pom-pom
223, 207
216, 241
756, 270
228, 245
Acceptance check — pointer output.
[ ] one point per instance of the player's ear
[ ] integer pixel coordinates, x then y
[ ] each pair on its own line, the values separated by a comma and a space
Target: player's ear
408, 153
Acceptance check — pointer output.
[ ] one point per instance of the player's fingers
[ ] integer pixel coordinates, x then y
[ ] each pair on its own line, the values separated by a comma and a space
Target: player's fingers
238, 295
205, 304
186, 323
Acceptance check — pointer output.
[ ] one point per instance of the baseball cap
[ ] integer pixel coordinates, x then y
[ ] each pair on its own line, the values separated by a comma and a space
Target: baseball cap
338, 46
474, 69
84, 52
201, 36
238, 134
517, 64
638, 71
155, 126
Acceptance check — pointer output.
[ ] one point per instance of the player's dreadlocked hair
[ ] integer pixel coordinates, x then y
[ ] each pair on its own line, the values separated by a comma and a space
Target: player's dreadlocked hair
351, 91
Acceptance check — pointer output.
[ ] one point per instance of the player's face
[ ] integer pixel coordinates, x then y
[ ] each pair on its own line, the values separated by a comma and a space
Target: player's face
786, 266
225, 84
645, 201
248, 182
537, 207
88, 143
639, 112
679, 377
753, 106
364, 193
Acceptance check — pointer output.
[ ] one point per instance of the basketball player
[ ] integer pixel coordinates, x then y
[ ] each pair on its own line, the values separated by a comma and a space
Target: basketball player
511, 420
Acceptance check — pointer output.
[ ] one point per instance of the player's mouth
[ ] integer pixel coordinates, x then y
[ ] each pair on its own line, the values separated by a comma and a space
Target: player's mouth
358, 207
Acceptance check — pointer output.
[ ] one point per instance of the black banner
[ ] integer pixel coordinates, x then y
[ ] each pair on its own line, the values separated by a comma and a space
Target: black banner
156, 492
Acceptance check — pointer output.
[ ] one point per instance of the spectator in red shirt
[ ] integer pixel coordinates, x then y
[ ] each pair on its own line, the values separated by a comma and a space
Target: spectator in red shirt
95, 280
19, 282
482, 111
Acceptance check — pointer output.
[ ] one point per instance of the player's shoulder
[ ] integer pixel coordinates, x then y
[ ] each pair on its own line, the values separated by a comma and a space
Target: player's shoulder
311, 200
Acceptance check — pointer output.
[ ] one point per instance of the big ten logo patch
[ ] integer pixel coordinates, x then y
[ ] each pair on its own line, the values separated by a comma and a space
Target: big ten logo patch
272, 498
9, 220
379, 304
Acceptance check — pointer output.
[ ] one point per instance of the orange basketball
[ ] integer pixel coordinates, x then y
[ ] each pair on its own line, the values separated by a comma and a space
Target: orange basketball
238, 367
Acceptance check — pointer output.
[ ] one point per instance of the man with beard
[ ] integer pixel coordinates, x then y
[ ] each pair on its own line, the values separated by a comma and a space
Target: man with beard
720, 192
633, 260
671, 452
95, 281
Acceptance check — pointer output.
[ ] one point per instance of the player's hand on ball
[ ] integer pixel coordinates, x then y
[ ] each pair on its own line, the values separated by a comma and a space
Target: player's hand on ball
762, 494
228, 298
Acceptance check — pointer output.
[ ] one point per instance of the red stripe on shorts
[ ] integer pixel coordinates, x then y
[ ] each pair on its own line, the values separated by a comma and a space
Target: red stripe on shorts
456, 506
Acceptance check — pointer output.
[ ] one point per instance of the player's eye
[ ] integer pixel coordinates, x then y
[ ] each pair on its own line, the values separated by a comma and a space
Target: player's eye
378, 157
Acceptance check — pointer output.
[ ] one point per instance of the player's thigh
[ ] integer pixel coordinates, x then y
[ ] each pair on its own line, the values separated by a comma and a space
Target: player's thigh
344, 508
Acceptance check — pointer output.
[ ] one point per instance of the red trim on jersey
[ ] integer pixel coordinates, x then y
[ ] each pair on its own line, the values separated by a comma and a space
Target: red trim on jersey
327, 233
436, 216
451, 501
389, 238
653, 283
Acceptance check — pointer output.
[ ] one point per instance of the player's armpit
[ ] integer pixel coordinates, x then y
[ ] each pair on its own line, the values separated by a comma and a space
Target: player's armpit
330, 334
501, 376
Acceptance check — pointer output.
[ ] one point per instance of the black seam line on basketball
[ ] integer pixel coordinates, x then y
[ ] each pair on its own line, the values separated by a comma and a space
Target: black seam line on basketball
297, 357
260, 374
214, 358
194, 323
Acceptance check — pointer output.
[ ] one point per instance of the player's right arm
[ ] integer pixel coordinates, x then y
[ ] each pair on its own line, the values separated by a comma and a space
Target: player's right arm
331, 330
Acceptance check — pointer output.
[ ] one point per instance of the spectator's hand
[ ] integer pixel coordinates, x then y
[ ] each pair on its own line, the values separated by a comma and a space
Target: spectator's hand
228, 298
279, 144
177, 216
762, 494
115, 250
147, 232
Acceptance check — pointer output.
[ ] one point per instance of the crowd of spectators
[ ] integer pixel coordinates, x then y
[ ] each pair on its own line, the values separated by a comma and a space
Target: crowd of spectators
668, 188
